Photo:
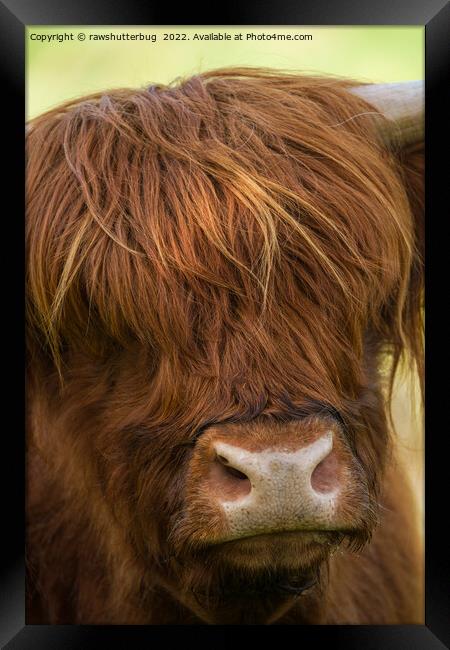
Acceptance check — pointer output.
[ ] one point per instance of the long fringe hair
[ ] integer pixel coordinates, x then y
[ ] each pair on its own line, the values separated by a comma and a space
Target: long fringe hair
222, 219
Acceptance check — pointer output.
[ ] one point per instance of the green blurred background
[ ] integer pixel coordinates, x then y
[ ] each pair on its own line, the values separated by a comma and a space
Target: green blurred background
57, 71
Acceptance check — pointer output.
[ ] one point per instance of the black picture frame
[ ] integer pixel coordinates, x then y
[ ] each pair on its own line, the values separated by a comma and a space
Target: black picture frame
15, 15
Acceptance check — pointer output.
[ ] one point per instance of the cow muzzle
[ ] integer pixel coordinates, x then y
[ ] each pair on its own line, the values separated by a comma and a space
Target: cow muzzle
300, 479
270, 490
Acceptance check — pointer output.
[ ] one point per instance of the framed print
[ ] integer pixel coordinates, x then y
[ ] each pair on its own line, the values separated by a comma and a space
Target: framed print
226, 412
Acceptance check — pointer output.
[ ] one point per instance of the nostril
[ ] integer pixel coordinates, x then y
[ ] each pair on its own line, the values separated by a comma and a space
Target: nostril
325, 476
232, 471
227, 482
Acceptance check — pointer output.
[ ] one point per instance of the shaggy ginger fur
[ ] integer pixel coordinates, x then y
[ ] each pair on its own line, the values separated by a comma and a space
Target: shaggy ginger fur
238, 249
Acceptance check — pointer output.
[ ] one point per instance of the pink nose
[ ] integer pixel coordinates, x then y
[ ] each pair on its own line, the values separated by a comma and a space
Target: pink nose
274, 489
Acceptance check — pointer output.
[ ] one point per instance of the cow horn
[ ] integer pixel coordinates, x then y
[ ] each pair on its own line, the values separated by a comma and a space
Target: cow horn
403, 105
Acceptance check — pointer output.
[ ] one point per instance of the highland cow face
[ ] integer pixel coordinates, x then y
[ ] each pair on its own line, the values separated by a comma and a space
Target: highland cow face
249, 498
215, 271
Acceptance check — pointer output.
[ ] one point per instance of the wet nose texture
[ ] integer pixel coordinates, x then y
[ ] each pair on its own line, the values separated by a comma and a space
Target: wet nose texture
271, 490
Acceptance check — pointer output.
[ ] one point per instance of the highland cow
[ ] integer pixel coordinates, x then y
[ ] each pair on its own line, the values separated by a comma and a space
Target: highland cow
223, 276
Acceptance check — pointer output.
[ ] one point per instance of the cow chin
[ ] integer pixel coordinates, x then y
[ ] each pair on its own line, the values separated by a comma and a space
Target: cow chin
287, 551
257, 579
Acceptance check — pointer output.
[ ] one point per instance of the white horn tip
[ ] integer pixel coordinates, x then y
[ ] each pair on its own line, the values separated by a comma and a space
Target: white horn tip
402, 104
